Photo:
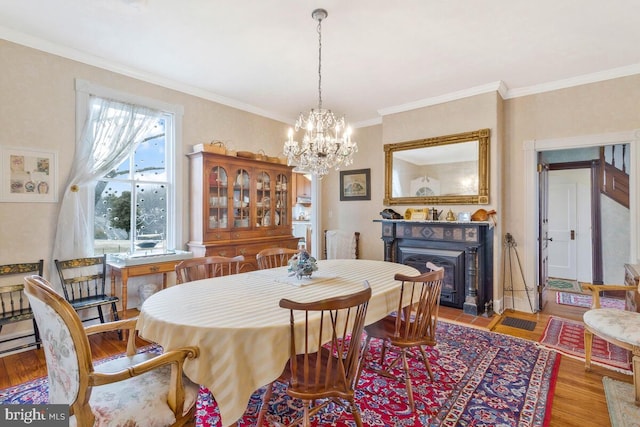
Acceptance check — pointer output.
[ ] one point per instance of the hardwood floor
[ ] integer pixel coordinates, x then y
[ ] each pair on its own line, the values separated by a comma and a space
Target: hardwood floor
579, 396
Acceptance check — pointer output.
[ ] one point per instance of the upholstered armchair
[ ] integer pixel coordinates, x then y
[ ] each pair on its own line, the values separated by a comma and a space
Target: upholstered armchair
137, 389
619, 327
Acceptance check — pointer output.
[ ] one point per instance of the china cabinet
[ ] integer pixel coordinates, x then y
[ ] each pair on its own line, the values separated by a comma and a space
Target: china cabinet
239, 206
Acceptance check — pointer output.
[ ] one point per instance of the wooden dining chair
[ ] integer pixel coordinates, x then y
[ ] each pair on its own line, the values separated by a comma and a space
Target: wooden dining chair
83, 282
411, 326
192, 269
324, 364
14, 306
274, 257
136, 389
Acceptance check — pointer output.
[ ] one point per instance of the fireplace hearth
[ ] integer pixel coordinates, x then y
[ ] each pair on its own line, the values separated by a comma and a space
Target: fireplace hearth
464, 249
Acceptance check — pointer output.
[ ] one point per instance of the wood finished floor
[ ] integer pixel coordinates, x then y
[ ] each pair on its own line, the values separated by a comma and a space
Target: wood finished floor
579, 396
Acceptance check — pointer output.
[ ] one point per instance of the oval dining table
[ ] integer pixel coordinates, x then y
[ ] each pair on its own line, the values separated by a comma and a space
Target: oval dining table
242, 333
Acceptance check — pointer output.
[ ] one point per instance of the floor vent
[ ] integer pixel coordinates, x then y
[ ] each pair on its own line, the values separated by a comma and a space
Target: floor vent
518, 323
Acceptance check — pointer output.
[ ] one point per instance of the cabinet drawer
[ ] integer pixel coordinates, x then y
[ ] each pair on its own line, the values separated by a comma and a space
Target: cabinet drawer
143, 269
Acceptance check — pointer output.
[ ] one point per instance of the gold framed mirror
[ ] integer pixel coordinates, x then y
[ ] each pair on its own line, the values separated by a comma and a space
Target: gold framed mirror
451, 169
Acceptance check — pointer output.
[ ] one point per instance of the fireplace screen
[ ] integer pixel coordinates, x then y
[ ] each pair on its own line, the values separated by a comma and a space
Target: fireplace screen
453, 286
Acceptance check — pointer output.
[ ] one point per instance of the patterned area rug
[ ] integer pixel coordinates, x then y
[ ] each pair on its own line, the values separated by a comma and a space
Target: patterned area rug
623, 411
582, 300
565, 285
567, 337
481, 379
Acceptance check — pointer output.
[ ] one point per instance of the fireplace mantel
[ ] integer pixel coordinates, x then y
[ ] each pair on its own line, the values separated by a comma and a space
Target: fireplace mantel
464, 249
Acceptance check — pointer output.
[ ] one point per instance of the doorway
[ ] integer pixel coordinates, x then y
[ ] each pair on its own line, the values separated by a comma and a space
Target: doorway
626, 250
570, 237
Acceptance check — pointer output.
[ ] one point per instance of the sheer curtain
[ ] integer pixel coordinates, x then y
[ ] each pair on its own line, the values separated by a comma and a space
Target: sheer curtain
109, 131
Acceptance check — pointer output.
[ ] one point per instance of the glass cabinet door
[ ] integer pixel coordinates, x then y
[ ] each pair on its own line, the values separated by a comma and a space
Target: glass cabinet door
241, 199
218, 197
263, 200
282, 200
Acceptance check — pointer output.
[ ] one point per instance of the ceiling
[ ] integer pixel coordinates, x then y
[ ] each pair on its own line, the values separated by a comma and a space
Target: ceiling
378, 56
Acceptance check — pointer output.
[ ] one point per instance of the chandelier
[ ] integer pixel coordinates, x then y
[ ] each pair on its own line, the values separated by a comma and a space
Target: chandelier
326, 142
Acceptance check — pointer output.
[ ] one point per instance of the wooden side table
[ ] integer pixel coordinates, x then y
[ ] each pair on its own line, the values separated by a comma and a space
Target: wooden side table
126, 271
632, 278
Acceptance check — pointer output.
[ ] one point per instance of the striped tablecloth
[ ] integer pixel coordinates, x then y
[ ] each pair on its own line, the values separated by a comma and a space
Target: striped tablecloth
242, 333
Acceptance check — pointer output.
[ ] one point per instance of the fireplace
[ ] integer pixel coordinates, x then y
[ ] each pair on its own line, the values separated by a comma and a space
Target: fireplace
453, 263
464, 249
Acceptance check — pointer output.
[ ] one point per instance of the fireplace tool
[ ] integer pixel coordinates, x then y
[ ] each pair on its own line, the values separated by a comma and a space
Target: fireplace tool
509, 248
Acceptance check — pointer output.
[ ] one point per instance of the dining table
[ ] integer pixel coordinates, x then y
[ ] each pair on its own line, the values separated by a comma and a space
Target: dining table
242, 333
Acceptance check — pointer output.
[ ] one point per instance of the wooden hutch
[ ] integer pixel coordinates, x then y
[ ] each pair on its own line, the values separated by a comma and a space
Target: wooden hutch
239, 206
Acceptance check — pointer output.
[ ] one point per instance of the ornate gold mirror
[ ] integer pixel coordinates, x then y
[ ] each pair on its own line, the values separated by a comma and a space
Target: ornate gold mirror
452, 169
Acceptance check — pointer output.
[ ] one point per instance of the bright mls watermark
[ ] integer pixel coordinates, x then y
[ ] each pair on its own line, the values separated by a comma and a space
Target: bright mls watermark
34, 415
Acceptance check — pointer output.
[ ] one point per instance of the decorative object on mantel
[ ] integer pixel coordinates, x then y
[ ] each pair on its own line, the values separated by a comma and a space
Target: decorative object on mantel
390, 214
484, 215
450, 216
326, 142
302, 265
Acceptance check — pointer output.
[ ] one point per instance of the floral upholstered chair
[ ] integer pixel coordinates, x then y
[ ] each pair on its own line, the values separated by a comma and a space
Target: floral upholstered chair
134, 390
619, 327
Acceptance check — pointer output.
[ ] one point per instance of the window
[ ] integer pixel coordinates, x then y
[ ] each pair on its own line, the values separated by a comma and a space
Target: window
142, 180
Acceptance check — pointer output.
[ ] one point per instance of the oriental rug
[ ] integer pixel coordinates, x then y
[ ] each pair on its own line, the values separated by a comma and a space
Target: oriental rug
567, 337
623, 411
582, 300
566, 285
481, 379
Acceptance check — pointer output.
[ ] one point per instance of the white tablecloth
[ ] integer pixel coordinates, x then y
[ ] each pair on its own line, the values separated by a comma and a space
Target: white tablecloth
242, 333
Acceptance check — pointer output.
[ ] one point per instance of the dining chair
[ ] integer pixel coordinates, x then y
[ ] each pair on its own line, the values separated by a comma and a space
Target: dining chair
14, 306
324, 353
83, 283
619, 327
412, 326
274, 257
192, 269
341, 244
135, 389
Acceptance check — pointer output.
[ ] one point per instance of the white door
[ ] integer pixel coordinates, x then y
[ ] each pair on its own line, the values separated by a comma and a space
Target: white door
570, 224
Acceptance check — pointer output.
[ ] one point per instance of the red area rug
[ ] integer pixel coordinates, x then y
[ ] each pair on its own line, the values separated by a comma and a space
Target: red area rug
567, 337
481, 379
582, 300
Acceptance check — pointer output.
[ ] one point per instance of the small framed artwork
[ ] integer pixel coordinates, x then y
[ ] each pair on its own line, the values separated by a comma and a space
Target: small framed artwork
28, 175
355, 184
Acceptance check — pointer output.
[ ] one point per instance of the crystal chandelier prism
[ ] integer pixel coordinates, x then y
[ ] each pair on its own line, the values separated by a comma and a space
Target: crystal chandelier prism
326, 142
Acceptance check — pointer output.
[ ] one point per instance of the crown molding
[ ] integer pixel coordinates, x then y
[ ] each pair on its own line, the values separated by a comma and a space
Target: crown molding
96, 61
584, 79
498, 86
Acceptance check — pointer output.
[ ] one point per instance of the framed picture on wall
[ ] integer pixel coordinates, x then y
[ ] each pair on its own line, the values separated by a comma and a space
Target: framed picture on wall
355, 184
28, 175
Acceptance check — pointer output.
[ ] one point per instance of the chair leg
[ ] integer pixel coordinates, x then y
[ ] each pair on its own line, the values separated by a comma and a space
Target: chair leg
427, 364
407, 380
588, 342
265, 405
636, 374
356, 413
114, 311
100, 314
361, 364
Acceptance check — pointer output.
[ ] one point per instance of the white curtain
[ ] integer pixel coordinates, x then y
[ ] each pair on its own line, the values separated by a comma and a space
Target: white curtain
109, 131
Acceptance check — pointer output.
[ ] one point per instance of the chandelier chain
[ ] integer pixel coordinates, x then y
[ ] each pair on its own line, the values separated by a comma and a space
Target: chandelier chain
320, 64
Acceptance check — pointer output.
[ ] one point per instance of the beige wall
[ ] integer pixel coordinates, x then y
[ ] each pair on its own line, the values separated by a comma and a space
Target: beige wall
37, 110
